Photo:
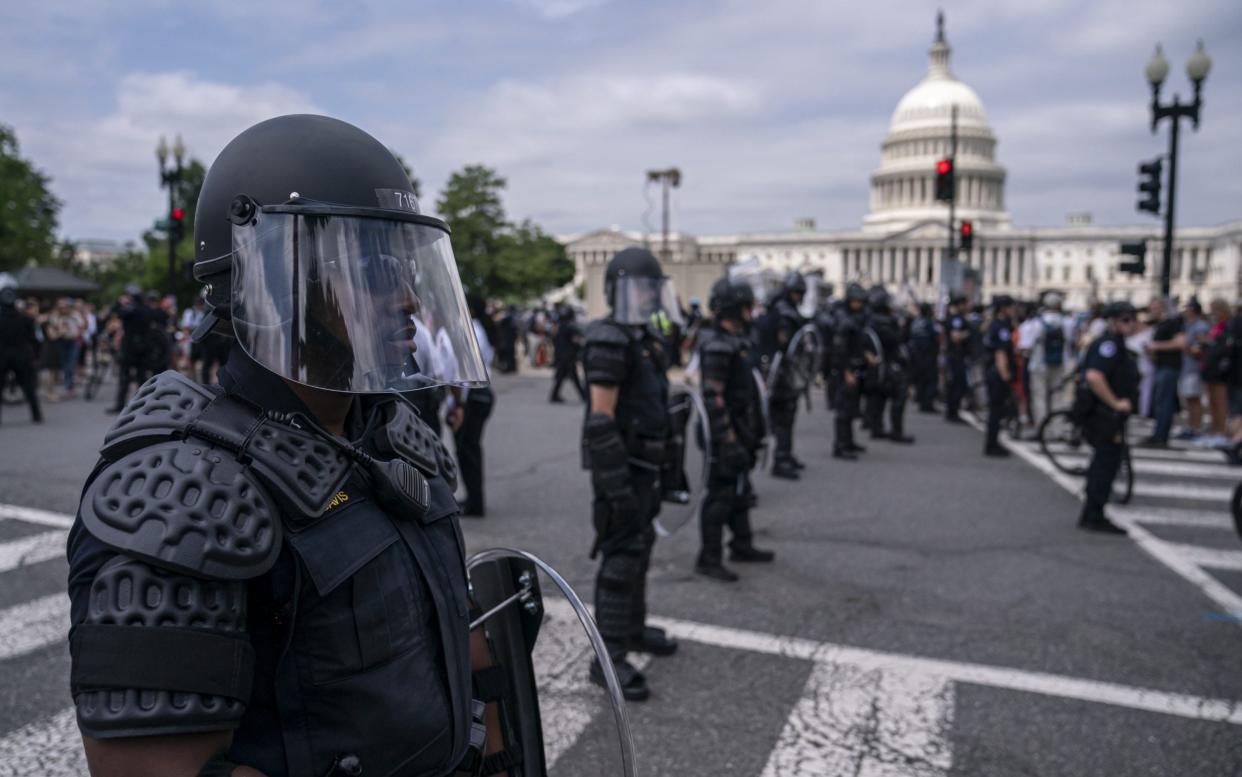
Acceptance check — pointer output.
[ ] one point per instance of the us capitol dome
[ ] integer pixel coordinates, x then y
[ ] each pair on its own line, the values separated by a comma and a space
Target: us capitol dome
919, 134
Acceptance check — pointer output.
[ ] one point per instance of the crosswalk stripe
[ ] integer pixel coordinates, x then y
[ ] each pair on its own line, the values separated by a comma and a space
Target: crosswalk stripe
1155, 454
35, 515
1173, 517
33, 549
852, 720
49, 748
1042, 683
1164, 467
1182, 491
33, 625
1213, 558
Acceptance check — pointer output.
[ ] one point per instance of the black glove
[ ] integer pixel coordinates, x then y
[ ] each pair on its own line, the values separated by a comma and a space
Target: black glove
735, 458
617, 511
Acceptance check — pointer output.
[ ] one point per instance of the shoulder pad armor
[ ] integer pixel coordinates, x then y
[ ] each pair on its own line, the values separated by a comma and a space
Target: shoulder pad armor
604, 331
404, 435
185, 506
161, 408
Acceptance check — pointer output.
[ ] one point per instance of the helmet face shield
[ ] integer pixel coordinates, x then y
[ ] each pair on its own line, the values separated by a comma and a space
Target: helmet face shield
638, 299
348, 301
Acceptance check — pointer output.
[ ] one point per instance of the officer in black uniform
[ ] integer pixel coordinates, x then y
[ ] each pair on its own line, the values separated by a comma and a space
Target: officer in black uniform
729, 398
625, 439
849, 359
891, 384
566, 345
826, 324
19, 341
925, 354
957, 336
1000, 365
1108, 396
785, 391
267, 577
137, 335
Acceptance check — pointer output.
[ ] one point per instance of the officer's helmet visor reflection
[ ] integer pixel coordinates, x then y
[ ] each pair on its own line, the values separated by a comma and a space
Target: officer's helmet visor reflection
332, 302
638, 300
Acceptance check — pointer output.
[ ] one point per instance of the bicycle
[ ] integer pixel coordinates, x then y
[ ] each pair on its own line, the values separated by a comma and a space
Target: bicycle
102, 366
1061, 440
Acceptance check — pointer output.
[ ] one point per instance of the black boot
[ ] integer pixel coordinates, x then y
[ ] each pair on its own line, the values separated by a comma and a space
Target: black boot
785, 470
797, 463
1093, 519
854, 447
633, 683
844, 453
745, 552
901, 438
715, 570
654, 641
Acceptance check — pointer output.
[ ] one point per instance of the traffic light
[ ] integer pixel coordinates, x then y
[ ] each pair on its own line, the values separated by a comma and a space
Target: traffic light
1149, 184
944, 180
1137, 249
966, 236
176, 224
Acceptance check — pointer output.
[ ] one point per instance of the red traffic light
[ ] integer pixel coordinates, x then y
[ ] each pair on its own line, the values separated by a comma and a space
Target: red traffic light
944, 167
967, 228
178, 214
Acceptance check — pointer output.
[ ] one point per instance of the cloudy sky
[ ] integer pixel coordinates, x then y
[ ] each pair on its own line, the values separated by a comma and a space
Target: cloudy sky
773, 110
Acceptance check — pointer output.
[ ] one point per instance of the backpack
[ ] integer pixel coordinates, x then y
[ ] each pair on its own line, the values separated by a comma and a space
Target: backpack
1054, 345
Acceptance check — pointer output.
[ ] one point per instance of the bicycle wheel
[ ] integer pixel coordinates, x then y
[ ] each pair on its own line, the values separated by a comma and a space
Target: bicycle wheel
1061, 441
1123, 484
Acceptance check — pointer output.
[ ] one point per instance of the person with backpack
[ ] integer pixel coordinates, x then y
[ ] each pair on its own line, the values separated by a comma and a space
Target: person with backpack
1049, 356
776, 331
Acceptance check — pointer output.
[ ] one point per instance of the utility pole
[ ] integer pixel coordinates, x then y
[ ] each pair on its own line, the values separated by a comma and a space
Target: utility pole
950, 254
170, 177
668, 179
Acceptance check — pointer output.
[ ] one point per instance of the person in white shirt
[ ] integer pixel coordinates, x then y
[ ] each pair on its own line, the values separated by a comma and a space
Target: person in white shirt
1049, 336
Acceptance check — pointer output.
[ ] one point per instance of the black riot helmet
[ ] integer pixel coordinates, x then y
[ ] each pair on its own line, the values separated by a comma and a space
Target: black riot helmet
309, 239
8, 297
636, 288
729, 299
855, 293
878, 300
794, 283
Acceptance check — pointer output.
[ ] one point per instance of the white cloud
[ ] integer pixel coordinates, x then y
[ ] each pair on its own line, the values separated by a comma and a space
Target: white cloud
105, 170
559, 9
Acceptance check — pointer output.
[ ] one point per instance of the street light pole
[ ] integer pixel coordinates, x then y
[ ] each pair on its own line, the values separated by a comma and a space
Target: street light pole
1197, 69
670, 178
170, 177
950, 254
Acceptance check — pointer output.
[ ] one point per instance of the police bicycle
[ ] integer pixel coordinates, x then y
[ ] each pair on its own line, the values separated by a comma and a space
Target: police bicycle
1061, 440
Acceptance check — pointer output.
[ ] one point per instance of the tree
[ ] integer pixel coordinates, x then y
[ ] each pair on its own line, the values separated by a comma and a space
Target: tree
28, 209
495, 258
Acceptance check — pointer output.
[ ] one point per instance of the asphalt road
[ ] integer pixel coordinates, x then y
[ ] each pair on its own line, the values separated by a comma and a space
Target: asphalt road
930, 612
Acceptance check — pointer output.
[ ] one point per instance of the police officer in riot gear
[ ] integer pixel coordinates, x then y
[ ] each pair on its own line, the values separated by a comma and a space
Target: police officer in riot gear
826, 324
19, 342
924, 356
1000, 367
138, 332
849, 359
891, 383
1108, 395
624, 440
304, 604
729, 398
957, 336
783, 404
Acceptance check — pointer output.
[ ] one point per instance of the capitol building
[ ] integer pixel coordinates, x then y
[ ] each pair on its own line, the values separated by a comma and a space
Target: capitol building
902, 240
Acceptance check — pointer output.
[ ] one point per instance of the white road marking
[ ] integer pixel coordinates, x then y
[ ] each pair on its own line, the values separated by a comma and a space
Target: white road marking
1045, 684
568, 700
1157, 548
1166, 467
1202, 519
34, 515
49, 748
33, 625
33, 549
1213, 558
1153, 454
866, 722
1182, 491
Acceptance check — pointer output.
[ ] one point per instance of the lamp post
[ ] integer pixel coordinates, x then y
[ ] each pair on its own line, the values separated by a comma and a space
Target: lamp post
1157, 69
667, 178
170, 177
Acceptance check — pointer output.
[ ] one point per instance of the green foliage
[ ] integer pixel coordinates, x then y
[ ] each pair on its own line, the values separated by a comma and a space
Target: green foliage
28, 209
496, 258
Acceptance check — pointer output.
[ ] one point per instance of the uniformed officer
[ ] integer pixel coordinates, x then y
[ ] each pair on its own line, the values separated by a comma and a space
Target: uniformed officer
924, 355
998, 345
825, 324
729, 397
268, 578
1111, 380
888, 379
957, 335
785, 390
137, 337
19, 341
625, 439
850, 364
